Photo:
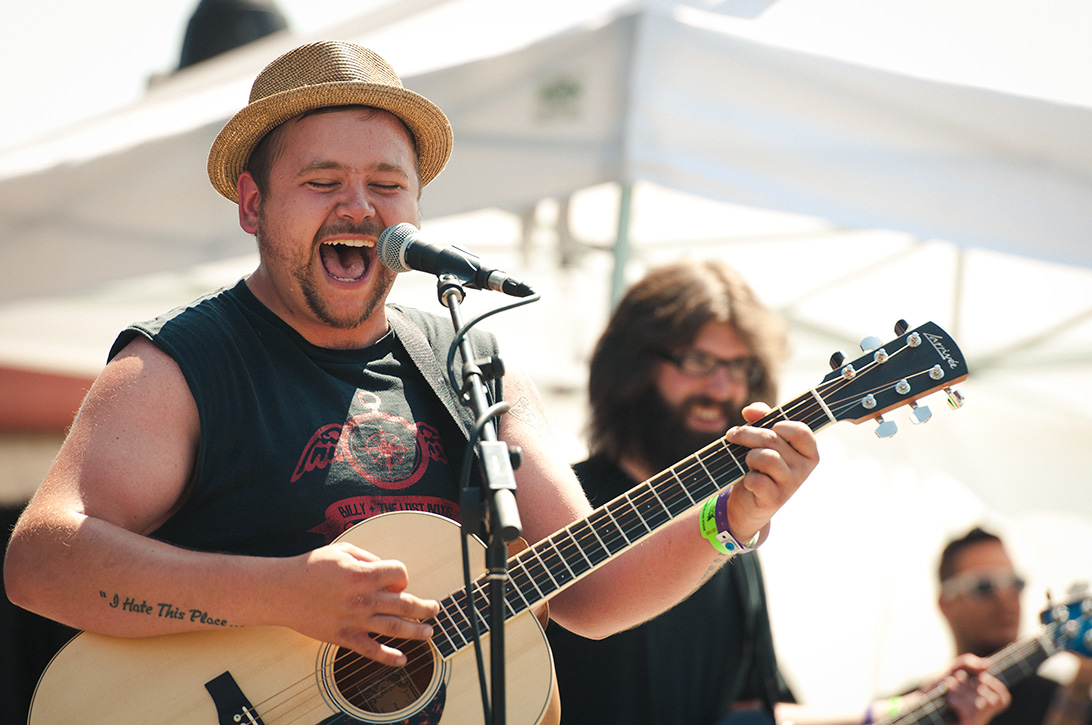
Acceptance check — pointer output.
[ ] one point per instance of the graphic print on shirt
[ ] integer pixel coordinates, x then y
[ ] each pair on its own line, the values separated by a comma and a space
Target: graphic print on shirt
388, 452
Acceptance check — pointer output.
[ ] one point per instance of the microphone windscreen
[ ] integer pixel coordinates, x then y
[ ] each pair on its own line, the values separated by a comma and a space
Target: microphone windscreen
392, 245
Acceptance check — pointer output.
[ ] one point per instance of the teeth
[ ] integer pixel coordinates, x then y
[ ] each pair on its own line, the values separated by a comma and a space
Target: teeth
352, 242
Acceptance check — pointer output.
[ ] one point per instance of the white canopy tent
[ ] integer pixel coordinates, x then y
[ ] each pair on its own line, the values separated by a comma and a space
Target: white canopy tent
696, 117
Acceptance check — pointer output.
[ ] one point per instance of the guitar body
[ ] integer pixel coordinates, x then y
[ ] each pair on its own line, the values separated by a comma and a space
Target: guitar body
276, 675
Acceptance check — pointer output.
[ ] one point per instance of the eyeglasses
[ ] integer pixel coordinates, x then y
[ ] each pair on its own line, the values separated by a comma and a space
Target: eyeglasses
980, 585
699, 364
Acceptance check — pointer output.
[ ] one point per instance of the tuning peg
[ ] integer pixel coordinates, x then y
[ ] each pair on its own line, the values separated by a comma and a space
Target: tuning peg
885, 428
837, 359
920, 413
870, 343
901, 326
955, 398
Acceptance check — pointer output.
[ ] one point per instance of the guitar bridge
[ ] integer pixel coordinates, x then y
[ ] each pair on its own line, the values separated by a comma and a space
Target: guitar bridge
232, 707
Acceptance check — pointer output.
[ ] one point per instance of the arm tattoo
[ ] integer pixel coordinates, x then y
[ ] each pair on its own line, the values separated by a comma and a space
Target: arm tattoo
525, 412
162, 610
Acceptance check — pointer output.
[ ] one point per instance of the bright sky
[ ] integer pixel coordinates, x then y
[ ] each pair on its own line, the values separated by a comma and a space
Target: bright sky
64, 60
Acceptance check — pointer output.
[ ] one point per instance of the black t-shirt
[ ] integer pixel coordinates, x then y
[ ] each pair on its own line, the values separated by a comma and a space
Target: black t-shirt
1031, 698
686, 666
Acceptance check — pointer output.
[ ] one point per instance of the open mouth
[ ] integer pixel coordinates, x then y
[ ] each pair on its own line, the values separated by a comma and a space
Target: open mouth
707, 415
346, 260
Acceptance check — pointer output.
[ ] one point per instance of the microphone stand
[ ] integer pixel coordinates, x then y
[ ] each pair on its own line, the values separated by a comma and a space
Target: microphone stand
499, 517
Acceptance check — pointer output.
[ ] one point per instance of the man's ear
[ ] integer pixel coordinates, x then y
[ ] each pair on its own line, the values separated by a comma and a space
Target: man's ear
942, 604
250, 201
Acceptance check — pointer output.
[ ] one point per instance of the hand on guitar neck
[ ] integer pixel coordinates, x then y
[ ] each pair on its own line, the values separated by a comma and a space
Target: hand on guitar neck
973, 694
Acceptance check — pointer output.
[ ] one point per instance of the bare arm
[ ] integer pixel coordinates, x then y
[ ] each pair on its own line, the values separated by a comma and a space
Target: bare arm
81, 554
666, 568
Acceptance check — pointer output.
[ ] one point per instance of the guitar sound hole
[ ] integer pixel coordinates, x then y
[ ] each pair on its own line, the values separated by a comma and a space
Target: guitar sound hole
374, 687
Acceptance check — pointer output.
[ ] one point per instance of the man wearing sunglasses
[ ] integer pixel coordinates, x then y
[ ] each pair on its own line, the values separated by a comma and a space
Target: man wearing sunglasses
980, 597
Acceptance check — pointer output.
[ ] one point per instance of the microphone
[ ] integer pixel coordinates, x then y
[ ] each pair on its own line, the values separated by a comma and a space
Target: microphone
401, 249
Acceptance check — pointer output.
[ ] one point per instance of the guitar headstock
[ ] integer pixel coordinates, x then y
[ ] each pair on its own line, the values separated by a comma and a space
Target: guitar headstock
1074, 620
889, 375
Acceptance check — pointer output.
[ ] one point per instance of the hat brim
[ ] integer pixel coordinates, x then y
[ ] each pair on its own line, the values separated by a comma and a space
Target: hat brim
231, 150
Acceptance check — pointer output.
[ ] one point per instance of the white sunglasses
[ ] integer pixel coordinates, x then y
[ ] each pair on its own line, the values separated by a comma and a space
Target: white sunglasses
982, 585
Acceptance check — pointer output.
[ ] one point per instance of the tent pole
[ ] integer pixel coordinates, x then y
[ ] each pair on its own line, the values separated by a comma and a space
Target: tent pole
957, 297
621, 245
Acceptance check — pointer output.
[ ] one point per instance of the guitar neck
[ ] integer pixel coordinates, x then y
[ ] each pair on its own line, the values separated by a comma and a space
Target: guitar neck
1010, 665
915, 364
541, 571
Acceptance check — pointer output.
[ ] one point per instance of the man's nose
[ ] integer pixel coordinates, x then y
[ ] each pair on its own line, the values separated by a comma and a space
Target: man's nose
356, 204
721, 384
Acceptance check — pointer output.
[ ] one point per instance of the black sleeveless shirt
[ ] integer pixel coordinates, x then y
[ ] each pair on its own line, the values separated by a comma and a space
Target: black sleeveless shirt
299, 442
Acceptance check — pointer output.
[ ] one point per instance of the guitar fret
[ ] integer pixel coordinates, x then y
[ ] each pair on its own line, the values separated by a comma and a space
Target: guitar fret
608, 531
478, 605
823, 405
481, 605
513, 600
707, 473
571, 543
445, 629
457, 628
676, 495
638, 516
513, 586
469, 610
618, 526
521, 578
661, 501
545, 569
742, 467
602, 552
652, 510
557, 555
627, 517
683, 487
693, 482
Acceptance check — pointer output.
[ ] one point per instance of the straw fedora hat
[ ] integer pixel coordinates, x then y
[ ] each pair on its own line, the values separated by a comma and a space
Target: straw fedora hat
317, 75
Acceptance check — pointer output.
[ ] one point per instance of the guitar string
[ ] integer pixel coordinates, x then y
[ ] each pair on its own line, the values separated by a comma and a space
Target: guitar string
653, 493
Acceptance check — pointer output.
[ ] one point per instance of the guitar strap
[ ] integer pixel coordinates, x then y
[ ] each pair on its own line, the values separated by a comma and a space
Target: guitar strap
426, 354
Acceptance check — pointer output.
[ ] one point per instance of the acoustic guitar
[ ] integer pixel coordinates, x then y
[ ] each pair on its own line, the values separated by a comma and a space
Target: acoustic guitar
274, 675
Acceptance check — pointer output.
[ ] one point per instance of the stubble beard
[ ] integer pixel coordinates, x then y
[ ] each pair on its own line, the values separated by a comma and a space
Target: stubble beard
302, 271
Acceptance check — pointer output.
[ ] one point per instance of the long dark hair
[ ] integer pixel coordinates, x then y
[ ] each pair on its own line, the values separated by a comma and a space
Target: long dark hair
665, 311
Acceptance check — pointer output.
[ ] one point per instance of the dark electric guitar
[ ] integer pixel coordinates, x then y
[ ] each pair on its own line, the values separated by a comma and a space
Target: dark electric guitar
273, 675
1066, 627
